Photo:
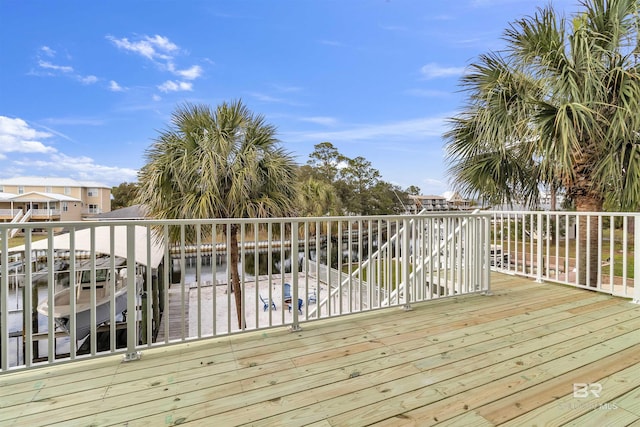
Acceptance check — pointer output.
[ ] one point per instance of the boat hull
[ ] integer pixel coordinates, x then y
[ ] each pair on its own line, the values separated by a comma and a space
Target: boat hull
83, 317
104, 291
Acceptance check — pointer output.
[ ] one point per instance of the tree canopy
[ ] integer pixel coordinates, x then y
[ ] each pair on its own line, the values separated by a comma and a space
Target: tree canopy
358, 185
218, 163
124, 195
557, 107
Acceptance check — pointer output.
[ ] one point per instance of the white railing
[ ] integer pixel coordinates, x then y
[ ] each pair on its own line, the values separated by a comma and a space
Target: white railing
10, 212
20, 217
587, 250
92, 211
17, 217
181, 292
45, 213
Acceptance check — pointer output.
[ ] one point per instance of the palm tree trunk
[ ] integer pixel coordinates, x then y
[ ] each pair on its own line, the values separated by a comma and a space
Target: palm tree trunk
587, 244
235, 275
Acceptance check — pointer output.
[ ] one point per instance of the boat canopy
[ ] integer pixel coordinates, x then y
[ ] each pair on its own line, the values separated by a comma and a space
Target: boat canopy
101, 243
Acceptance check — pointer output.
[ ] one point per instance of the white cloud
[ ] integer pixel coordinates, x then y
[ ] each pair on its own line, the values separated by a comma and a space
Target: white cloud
115, 87
57, 70
263, 97
189, 74
17, 136
406, 129
326, 121
432, 71
74, 121
156, 97
48, 51
286, 88
171, 86
162, 43
149, 47
49, 66
161, 51
88, 80
82, 167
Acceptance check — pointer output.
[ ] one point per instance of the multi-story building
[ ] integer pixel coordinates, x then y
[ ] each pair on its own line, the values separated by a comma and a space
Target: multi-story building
52, 199
438, 203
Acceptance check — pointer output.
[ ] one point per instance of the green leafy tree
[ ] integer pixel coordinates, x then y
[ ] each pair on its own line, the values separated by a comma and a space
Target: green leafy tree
558, 107
221, 163
387, 198
413, 190
326, 161
358, 178
124, 195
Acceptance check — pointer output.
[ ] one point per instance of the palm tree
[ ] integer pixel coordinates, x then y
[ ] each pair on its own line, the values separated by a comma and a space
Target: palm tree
317, 197
222, 163
558, 107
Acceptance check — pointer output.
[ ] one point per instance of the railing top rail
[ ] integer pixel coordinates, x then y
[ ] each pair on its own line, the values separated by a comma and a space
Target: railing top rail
222, 221
570, 213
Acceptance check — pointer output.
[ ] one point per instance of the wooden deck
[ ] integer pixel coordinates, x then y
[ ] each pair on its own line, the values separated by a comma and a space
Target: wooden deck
507, 359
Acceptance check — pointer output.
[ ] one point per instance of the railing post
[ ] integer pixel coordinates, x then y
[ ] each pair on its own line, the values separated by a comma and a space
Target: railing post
405, 257
539, 258
295, 326
4, 300
486, 252
132, 353
636, 260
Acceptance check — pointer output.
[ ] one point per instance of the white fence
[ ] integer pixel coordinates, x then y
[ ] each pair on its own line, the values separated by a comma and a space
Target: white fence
291, 271
587, 250
61, 295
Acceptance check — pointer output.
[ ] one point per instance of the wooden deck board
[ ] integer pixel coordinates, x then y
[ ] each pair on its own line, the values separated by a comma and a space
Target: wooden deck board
506, 359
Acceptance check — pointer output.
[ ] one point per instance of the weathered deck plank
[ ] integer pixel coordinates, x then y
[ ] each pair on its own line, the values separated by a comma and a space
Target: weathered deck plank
511, 358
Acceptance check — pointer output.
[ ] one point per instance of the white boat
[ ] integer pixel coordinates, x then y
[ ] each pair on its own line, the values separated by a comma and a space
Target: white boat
497, 257
105, 288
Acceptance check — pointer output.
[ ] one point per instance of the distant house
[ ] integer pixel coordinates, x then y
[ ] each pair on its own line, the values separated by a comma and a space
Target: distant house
438, 203
25, 199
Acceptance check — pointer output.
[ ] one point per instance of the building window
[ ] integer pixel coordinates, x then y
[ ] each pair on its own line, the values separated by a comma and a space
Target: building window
92, 192
67, 191
21, 190
65, 207
93, 209
48, 189
1, 189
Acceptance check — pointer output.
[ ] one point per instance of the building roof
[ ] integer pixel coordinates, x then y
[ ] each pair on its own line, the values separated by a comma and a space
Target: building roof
101, 243
36, 196
35, 181
130, 212
429, 197
6, 196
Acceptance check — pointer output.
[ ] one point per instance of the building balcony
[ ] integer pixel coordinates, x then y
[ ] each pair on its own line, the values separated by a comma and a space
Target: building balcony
45, 214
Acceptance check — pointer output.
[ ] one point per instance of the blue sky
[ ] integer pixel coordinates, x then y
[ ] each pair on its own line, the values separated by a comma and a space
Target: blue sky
86, 86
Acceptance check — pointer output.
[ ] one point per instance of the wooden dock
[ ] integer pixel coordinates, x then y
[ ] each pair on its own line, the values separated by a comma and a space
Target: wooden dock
177, 309
530, 354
